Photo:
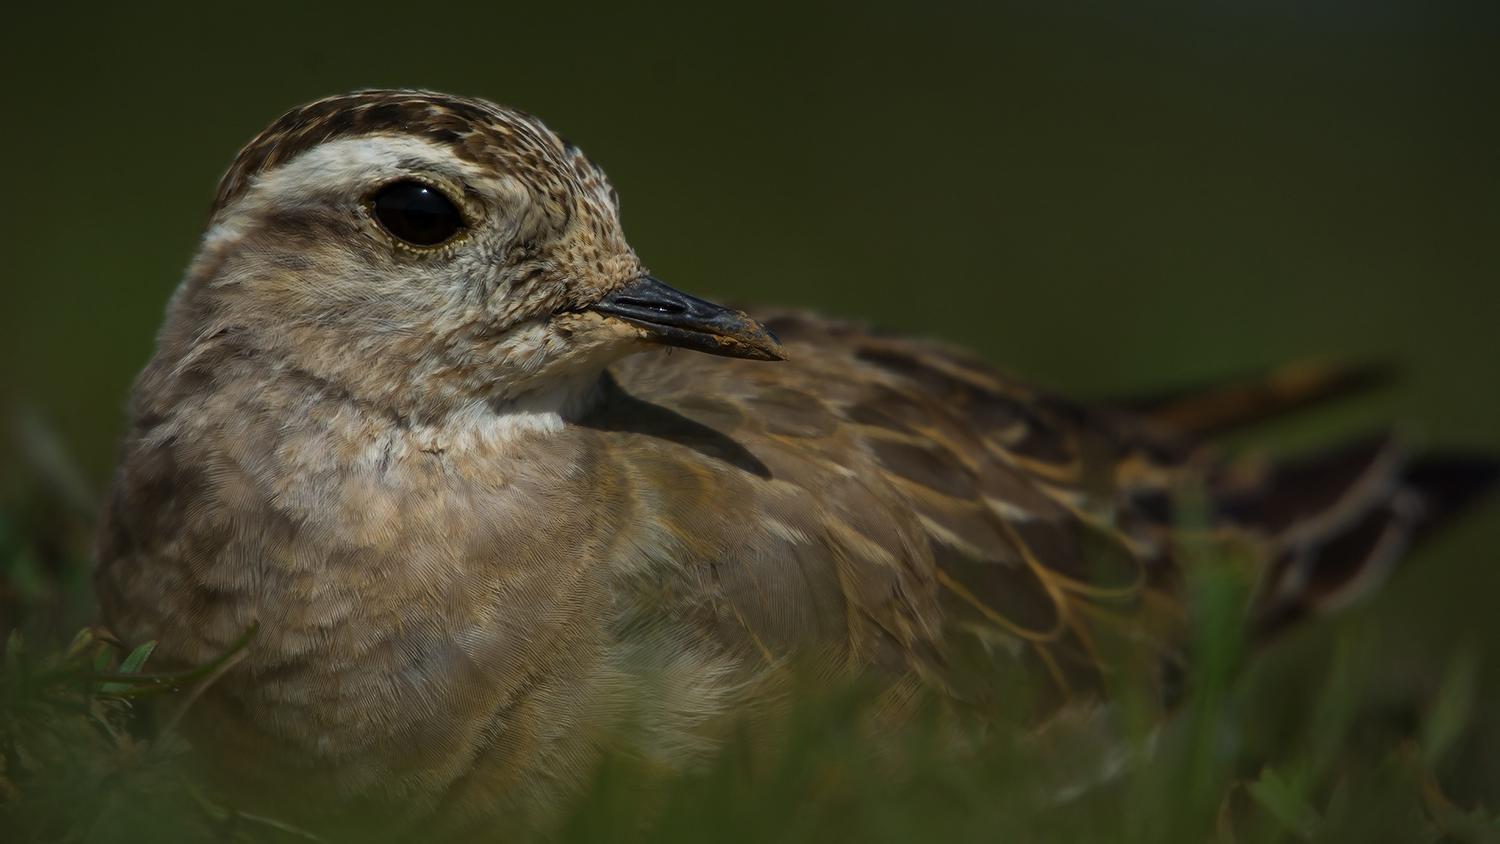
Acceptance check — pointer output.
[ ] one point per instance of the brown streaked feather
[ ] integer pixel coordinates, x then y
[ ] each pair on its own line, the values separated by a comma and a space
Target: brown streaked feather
1213, 409
1361, 538
474, 129
1307, 495
1047, 524
1015, 490
477, 558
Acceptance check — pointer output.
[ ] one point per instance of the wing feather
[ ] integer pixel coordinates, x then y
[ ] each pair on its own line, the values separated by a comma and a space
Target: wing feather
926, 504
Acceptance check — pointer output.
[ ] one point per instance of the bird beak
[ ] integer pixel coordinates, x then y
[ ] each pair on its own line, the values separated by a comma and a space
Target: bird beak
673, 318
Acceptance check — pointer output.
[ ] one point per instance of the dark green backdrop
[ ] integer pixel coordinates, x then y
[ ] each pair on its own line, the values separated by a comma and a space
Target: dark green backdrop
1106, 199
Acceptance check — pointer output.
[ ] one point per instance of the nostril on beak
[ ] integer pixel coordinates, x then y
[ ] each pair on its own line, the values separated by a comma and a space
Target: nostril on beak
658, 306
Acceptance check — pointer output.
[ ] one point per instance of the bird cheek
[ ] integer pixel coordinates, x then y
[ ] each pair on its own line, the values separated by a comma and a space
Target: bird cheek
587, 329
591, 340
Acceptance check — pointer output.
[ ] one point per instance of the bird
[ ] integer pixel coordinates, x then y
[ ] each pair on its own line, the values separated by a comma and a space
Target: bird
495, 500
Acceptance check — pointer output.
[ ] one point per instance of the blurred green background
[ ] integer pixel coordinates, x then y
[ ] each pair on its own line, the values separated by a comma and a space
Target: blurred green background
1107, 197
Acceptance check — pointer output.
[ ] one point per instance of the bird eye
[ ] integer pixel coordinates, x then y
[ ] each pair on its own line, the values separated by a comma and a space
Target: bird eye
416, 213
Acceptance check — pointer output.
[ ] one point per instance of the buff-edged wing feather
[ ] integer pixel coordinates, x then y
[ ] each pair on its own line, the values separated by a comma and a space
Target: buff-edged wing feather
1012, 499
1045, 528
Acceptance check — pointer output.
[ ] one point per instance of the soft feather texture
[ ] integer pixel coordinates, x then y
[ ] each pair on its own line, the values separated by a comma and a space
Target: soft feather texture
483, 544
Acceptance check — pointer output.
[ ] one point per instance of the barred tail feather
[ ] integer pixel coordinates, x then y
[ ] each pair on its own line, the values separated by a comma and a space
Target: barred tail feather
1342, 520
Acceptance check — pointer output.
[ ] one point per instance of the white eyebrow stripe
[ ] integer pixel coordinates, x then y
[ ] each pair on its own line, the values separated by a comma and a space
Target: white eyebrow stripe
336, 167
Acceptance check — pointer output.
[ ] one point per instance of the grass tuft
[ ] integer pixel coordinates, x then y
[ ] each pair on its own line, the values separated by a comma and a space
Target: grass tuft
1295, 743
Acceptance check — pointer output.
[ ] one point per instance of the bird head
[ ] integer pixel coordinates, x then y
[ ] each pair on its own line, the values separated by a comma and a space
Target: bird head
423, 251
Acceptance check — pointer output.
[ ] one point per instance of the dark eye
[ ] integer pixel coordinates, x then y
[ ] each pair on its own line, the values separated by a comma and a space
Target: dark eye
416, 213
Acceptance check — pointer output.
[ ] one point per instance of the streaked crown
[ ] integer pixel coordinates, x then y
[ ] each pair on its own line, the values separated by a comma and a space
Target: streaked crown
423, 252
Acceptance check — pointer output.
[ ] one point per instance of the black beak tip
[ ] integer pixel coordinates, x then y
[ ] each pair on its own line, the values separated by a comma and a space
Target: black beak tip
674, 318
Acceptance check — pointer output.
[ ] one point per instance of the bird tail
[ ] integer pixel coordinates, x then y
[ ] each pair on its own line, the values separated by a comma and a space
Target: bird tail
1222, 406
1338, 520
